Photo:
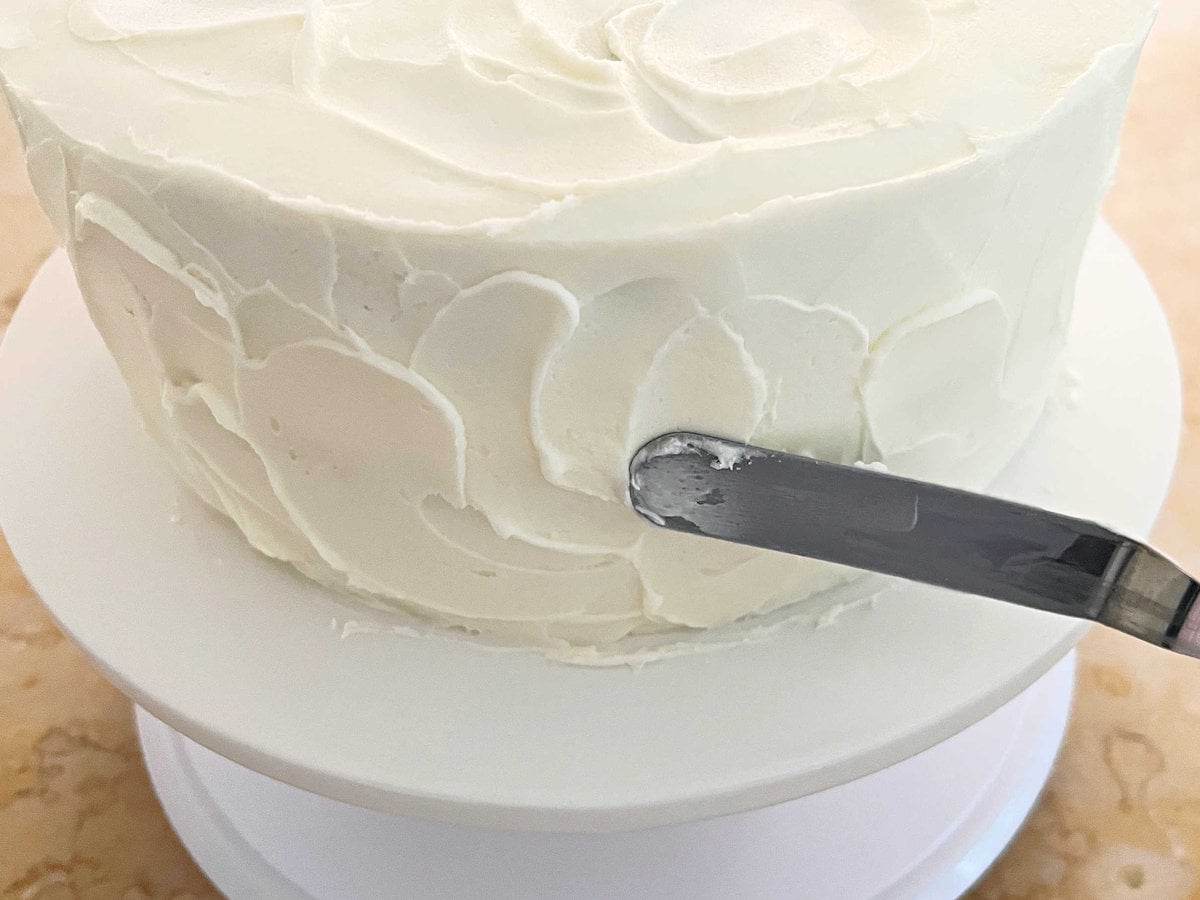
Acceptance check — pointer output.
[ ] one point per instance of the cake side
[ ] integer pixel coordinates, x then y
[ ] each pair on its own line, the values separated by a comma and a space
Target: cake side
440, 412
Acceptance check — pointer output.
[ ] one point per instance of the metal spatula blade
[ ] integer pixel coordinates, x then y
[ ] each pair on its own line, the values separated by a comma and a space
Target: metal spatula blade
923, 532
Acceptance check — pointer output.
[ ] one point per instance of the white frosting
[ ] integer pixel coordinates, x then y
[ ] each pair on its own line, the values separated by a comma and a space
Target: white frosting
401, 286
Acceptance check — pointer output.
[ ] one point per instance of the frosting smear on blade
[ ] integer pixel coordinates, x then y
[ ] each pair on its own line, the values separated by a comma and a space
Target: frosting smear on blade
401, 286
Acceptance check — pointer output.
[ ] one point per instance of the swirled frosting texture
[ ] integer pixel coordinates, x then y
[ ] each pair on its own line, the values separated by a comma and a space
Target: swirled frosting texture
400, 286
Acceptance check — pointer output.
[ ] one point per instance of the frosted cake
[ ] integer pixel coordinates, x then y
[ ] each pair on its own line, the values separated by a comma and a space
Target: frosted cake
400, 286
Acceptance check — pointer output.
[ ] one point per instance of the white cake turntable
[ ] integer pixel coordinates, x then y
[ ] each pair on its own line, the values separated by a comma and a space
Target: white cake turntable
892, 753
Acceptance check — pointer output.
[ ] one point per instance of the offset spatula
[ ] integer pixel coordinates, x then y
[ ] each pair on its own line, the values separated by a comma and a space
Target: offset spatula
911, 529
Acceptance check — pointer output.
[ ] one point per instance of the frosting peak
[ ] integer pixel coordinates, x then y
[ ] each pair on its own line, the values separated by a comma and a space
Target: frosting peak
774, 68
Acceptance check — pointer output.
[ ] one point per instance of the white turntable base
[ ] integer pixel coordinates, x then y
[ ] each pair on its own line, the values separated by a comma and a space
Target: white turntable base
927, 827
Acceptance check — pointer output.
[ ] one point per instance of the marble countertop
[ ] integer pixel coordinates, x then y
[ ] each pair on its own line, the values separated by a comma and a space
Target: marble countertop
1120, 817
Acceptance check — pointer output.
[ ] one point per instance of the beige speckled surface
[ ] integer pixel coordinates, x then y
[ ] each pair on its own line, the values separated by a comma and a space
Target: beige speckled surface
1120, 818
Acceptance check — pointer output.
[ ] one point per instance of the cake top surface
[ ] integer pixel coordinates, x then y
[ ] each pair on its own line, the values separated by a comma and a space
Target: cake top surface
506, 115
